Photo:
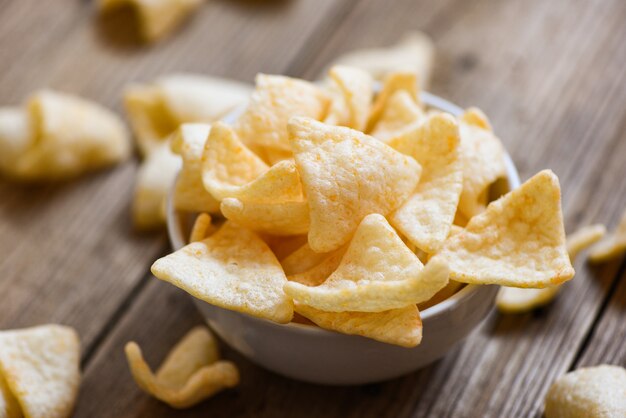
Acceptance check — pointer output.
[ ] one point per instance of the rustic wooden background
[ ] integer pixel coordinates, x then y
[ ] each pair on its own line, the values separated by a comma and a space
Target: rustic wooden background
551, 76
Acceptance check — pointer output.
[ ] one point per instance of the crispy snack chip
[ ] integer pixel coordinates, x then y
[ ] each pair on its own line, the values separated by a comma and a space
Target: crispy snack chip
284, 218
154, 181
317, 274
201, 228
57, 136
426, 217
356, 90
613, 246
275, 100
189, 192
394, 82
156, 17
233, 269
39, 371
157, 109
401, 327
515, 300
588, 392
191, 373
518, 241
400, 115
413, 53
483, 161
377, 273
283, 246
304, 258
347, 175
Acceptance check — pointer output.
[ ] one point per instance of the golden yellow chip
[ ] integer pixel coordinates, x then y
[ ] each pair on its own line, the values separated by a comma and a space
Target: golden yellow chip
283, 218
283, 246
57, 136
191, 373
588, 392
413, 53
356, 87
156, 17
483, 161
233, 269
401, 327
377, 273
450, 289
400, 115
516, 300
317, 274
154, 181
394, 82
157, 109
613, 246
347, 175
189, 192
227, 164
304, 258
275, 100
202, 228
427, 216
518, 241
39, 368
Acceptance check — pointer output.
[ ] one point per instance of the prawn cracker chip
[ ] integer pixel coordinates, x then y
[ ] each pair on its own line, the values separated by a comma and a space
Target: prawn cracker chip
281, 218
283, 246
394, 82
39, 367
189, 192
355, 86
401, 327
304, 258
228, 164
401, 113
613, 246
483, 161
427, 216
191, 373
317, 274
588, 392
515, 300
377, 273
275, 100
347, 175
233, 269
518, 241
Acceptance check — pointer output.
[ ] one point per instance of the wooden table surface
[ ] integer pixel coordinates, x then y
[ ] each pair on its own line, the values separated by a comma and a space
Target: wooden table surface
550, 75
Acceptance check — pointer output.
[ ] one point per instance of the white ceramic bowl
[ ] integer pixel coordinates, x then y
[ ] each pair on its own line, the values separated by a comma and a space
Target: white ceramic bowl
316, 355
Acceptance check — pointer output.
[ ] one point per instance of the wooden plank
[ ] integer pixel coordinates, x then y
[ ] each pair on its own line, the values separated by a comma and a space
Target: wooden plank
555, 97
69, 252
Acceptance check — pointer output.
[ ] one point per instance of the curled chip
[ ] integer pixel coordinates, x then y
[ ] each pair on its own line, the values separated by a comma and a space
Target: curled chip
233, 269
39, 371
413, 53
156, 110
356, 92
283, 218
377, 273
518, 241
275, 100
191, 373
400, 115
613, 246
189, 193
227, 164
347, 175
156, 17
394, 82
57, 136
154, 181
483, 161
427, 216
514, 300
401, 327
201, 228
588, 392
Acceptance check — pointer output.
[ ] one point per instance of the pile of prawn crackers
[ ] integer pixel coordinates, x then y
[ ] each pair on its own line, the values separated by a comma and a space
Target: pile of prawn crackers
352, 208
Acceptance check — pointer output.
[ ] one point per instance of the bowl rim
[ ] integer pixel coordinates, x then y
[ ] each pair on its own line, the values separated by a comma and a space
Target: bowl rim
178, 240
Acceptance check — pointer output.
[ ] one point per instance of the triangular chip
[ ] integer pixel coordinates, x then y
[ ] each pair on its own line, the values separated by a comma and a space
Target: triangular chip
400, 115
233, 269
227, 164
401, 327
613, 246
356, 87
189, 192
283, 246
317, 274
426, 217
377, 273
518, 241
191, 373
394, 82
281, 218
305, 258
483, 161
275, 100
347, 175
40, 368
